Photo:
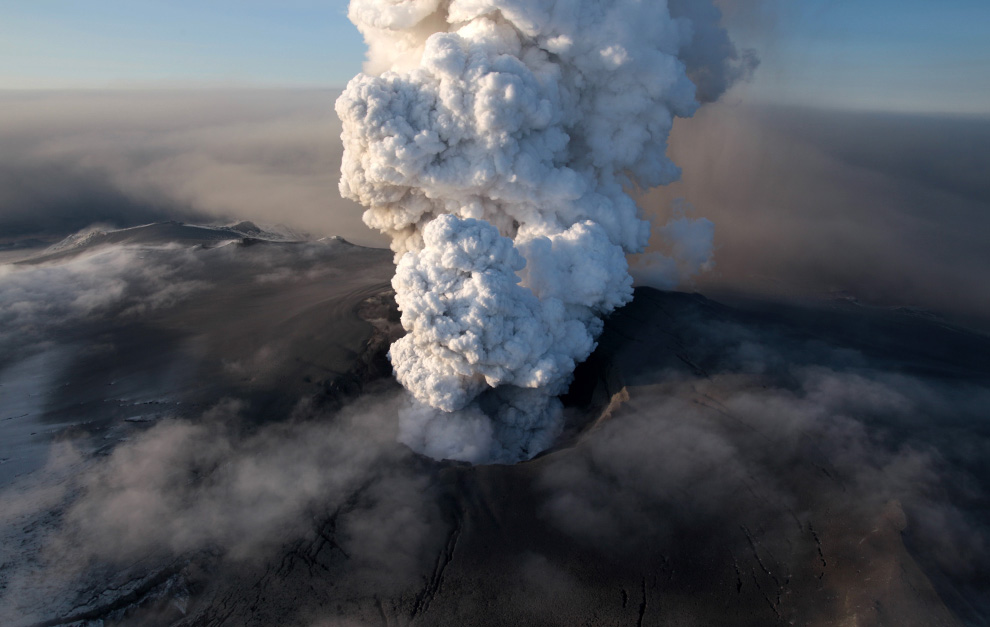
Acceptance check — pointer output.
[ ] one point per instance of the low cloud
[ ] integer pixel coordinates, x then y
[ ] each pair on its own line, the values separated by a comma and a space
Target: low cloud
888, 209
882, 207
215, 486
730, 435
39, 301
789, 431
133, 157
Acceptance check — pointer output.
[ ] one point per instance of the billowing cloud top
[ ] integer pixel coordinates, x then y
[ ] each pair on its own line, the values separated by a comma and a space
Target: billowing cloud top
495, 142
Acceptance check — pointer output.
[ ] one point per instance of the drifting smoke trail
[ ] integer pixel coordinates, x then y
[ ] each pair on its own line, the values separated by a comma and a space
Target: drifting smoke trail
494, 141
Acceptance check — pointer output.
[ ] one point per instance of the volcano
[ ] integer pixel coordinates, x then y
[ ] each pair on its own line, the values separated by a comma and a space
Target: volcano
227, 455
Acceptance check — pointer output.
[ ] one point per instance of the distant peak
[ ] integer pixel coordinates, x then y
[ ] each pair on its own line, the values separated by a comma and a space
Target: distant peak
246, 227
334, 239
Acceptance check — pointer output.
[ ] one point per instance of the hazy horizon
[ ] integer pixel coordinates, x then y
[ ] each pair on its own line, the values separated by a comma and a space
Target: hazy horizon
887, 55
901, 196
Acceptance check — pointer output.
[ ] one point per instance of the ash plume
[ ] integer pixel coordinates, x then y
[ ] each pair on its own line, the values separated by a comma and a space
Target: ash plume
497, 143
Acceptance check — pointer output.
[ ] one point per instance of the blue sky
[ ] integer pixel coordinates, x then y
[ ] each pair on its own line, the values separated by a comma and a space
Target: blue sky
98, 43
904, 55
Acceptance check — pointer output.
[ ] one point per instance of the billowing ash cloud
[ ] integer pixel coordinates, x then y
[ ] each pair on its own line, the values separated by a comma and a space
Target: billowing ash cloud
496, 142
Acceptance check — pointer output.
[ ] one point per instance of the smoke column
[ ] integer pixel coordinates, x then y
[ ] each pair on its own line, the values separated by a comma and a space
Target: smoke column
495, 142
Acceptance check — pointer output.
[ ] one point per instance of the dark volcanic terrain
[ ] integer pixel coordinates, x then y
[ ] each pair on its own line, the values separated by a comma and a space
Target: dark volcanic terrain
197, 427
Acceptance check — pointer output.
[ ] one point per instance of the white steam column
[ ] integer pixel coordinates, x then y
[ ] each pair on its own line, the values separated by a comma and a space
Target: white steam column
494, 141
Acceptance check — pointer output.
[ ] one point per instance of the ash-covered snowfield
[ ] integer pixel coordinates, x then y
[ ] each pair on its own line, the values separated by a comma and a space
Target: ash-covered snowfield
225, 401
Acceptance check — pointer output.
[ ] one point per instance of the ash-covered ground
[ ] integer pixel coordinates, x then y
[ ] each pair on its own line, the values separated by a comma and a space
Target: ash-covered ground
198, 427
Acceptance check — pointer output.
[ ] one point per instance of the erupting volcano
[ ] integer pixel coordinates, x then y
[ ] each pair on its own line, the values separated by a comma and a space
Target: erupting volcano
497, 144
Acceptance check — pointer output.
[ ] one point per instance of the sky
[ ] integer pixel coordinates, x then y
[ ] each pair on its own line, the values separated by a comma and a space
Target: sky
880, 55
110, 43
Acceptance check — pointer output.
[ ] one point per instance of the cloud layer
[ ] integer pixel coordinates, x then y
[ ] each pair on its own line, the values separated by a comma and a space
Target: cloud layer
804, 200
132, 157
888, 209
